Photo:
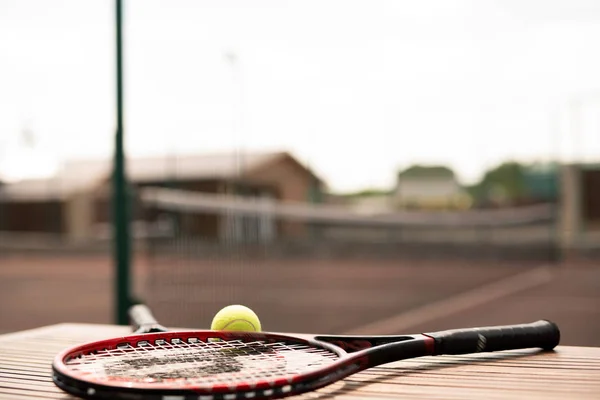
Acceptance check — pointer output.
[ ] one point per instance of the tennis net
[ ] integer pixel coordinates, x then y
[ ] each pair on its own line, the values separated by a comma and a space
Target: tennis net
216, 224
327, 266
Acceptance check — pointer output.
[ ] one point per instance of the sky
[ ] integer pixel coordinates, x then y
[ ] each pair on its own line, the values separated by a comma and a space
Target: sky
355, 89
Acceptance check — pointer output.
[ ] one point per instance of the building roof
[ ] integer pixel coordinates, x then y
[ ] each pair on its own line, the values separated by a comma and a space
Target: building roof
47, 189
78, 175
148, 169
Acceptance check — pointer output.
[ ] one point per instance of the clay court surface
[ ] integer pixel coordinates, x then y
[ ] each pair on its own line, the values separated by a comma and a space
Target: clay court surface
332, 296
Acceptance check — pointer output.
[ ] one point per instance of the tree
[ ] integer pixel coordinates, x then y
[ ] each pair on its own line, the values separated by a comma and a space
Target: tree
370, 192
427, 171
508, 180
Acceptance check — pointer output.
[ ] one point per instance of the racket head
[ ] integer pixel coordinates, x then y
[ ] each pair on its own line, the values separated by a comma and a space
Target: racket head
209, 365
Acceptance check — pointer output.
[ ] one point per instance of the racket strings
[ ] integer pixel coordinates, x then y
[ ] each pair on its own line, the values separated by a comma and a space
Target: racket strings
201, 363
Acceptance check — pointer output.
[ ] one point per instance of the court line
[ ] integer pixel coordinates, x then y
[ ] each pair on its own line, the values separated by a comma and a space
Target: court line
457, 303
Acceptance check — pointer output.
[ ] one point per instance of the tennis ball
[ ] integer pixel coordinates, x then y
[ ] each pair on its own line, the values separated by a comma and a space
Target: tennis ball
236, 318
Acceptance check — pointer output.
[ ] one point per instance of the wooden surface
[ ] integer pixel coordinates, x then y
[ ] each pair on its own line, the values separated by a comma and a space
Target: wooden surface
567, 373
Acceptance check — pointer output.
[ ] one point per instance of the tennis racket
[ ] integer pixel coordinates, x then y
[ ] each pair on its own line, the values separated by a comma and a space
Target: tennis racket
154, 363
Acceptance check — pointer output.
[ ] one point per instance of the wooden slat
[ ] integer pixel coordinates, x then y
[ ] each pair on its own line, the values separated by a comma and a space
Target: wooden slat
568, 372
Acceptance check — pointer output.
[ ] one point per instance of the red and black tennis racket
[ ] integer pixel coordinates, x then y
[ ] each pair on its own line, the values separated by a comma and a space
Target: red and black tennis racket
157, 364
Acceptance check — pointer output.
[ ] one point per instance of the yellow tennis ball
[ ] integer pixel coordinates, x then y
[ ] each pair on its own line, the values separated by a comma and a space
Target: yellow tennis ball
236, 318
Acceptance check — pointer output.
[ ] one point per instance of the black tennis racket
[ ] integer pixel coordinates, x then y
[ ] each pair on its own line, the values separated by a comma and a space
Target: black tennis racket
220, 365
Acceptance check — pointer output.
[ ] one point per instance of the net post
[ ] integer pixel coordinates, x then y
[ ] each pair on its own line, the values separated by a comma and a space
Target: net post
121, 236
315, 196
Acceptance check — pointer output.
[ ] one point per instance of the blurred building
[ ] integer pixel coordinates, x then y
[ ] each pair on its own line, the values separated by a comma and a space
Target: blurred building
76, 203
373, 205
365, 202
429, 187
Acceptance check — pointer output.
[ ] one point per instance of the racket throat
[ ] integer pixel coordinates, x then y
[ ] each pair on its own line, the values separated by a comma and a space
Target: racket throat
353, 344
417, 346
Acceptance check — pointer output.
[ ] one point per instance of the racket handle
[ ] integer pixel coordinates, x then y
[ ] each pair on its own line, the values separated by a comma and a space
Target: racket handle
143, 321
541, 334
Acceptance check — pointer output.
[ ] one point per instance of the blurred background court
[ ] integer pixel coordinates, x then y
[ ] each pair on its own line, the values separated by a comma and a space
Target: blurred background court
335, 165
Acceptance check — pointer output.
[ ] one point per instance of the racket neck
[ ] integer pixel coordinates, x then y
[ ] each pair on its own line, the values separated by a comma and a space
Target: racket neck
418, 347
352, 344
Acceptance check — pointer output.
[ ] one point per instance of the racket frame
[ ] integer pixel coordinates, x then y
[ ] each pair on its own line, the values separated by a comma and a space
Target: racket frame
375, 350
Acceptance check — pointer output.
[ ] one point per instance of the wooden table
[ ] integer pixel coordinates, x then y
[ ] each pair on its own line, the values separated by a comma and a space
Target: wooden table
567, 373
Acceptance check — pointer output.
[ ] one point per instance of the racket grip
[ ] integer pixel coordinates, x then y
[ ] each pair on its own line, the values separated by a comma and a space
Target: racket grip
541, 334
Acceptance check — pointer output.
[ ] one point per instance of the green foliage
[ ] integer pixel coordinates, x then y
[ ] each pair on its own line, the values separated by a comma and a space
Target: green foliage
427, 171
368, 193
509, 177
475, 191
510, 180
516, 181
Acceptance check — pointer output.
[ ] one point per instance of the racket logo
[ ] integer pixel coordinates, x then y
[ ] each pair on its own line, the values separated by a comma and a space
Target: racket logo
481, 342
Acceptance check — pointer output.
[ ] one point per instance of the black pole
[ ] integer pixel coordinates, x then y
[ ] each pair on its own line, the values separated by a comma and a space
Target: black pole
121, 238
